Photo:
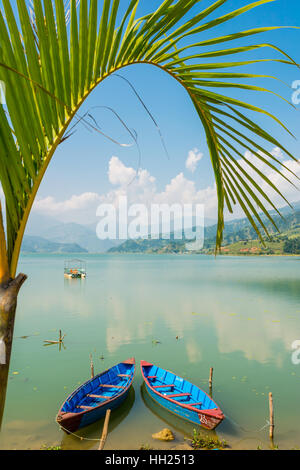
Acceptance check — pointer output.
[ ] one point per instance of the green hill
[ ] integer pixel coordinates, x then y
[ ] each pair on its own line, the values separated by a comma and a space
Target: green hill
287, 241
149, 246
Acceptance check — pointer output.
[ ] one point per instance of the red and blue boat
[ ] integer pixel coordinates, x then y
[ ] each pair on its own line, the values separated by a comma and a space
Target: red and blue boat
181, 397
90, 401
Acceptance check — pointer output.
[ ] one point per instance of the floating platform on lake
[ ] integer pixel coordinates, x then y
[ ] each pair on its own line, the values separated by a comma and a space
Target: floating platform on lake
75, 269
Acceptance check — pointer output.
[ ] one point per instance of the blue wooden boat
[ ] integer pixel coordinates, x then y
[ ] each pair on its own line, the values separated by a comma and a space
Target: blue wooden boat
181, 397
91, 400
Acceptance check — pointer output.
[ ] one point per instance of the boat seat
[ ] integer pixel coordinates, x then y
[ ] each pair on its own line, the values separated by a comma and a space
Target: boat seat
163, 386
152, 376
85, 407
111, 386
123, 375
98, 396
179, 395
195, 404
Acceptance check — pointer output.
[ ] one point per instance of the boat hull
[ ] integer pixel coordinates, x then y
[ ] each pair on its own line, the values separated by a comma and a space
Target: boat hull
71, 418
72, 422
207, 422
208, 419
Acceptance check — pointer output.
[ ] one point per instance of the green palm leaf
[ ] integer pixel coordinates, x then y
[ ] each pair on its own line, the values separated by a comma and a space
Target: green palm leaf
51, 61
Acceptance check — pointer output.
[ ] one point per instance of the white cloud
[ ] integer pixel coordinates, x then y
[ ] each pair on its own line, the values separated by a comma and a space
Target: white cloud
193, 159
138, 186
78, 208
184, 191
287, 189
141, 188
278, 153
118, 173
49, 204
290, 192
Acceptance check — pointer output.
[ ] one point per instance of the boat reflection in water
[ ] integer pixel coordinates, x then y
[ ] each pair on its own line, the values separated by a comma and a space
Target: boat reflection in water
181, 425
94, 431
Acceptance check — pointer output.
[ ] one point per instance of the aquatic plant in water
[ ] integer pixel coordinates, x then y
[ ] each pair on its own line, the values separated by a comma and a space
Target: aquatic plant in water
200, 441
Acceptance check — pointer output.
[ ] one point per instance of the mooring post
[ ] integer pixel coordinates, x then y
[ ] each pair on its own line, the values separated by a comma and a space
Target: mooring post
60, 336
105, 430
272, 425
211, 380
92, 367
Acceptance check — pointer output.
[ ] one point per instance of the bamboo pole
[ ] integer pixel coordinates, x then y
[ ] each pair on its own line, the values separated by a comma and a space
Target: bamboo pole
271, 408
105, 430
92, 367
60, 341
211, 380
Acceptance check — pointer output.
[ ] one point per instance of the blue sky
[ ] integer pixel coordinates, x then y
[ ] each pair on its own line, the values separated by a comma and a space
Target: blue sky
81, 164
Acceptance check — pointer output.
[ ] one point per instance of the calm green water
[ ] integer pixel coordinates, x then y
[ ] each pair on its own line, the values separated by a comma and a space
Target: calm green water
239, 315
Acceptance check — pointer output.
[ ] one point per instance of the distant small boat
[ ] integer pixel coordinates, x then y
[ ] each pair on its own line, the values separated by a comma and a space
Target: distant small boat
181, 397
91, 400
75, 269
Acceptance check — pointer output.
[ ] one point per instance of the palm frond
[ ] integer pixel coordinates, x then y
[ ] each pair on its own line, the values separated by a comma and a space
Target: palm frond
55, 54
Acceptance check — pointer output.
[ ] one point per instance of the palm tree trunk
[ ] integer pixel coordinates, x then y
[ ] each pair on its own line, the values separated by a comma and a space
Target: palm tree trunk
8, 303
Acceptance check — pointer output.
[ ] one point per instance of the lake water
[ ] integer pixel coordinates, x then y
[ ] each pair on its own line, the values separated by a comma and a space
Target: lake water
239, 315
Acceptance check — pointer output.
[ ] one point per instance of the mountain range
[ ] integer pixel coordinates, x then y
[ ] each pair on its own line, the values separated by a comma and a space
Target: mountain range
72, 236
33, 244
48, 235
